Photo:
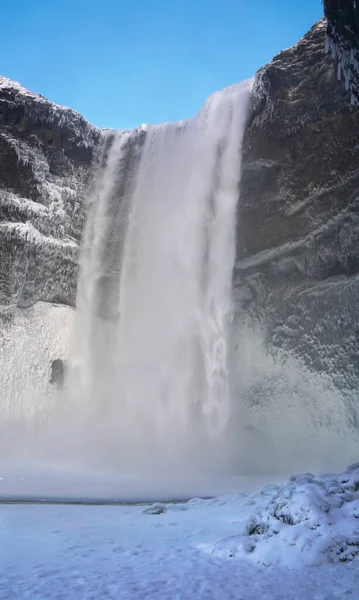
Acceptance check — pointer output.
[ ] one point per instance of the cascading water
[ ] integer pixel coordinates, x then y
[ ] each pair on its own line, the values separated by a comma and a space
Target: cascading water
150, 359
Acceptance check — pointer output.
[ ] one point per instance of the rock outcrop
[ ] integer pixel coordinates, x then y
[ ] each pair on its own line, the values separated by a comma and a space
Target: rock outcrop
46, 152
297, 264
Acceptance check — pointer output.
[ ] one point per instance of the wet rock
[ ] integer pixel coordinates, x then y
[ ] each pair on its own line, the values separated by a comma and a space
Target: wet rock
58, 369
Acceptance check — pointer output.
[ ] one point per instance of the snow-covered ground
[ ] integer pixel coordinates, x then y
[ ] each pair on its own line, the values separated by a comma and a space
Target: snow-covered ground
298, 540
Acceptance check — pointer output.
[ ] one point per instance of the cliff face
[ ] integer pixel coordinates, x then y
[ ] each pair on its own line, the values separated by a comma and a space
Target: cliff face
297, 266
46, 153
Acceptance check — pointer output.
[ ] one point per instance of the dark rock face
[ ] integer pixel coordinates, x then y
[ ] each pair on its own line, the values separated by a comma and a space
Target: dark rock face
46, 152
58, 369
297, 265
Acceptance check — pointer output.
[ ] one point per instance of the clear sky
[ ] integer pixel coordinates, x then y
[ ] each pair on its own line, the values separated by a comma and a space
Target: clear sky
126, 62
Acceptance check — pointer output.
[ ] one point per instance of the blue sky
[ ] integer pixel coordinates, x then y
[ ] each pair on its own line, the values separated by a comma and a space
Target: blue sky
126, 62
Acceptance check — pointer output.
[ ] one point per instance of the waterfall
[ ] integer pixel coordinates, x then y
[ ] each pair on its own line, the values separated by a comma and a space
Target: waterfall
171, 387
150, 357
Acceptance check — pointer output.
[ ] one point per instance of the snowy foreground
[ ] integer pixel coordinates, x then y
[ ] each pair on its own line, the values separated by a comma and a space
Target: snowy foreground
294, 541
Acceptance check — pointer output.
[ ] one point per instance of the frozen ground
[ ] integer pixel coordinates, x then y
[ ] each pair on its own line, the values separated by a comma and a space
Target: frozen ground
299, 541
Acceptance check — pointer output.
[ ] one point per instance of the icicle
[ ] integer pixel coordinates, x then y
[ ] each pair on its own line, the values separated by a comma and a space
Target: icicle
347, 79
333, 49
339, 70
327, 43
